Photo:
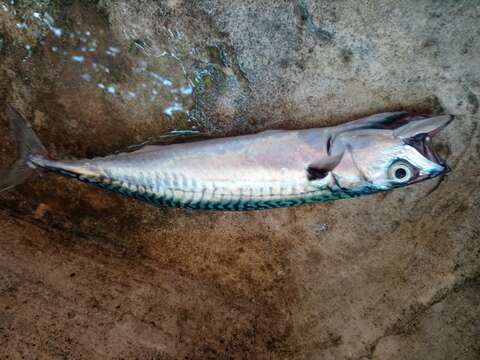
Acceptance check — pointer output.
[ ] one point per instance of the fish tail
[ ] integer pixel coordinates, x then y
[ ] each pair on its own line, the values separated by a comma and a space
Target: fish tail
29, 146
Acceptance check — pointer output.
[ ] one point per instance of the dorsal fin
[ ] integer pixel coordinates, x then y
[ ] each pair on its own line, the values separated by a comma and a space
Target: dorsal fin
167, 139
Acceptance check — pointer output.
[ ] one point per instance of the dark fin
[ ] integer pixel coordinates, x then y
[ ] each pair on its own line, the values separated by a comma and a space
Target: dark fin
422, 126
28, 145
388, 120
320, 169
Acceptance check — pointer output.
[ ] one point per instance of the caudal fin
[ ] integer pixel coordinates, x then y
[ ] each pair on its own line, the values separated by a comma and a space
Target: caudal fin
28, 145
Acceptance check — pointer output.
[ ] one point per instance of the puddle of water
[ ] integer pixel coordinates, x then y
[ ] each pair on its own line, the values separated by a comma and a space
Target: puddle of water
130, 72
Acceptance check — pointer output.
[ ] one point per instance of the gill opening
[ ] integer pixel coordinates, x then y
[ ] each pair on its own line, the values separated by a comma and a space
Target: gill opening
362, 174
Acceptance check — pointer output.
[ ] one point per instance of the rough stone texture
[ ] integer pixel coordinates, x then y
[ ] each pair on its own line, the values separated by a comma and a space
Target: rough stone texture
85, 274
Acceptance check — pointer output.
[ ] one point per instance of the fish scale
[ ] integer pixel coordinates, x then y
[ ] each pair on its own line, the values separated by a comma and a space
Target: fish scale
188, 200
162, 191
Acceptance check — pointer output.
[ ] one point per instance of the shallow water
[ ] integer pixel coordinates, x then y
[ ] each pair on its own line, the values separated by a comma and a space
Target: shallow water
184, 72
130, 70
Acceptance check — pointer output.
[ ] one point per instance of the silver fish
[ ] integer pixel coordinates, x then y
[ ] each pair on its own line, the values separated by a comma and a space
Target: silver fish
276, 168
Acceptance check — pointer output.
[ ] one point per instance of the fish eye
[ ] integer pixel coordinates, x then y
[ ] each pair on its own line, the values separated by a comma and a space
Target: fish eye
401, 171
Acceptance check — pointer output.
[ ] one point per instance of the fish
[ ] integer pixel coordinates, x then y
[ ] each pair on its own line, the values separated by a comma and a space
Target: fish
269, 169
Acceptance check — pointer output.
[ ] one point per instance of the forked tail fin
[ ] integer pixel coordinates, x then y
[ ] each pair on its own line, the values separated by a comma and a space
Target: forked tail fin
28, 145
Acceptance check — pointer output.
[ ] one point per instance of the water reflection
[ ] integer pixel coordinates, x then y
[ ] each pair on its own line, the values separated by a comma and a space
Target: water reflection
139, 76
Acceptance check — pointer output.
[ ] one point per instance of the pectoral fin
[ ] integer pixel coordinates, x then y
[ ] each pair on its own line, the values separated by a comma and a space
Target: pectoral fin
320, 169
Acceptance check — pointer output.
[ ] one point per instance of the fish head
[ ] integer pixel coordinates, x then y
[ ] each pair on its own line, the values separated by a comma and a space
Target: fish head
378, 159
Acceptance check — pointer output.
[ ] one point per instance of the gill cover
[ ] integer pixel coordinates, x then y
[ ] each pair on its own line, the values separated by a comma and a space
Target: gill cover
398, 142
335, 150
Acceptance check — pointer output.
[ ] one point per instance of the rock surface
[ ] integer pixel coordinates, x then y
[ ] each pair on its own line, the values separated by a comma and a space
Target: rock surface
85, 274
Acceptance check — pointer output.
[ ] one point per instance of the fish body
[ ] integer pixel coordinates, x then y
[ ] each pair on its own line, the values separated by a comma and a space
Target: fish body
276, 168
238, 173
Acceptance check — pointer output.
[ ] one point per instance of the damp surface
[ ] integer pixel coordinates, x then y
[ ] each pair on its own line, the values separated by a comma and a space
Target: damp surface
85, 274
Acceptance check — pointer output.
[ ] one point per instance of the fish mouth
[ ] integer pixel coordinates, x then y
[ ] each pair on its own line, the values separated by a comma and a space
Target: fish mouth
428, 150
423, 143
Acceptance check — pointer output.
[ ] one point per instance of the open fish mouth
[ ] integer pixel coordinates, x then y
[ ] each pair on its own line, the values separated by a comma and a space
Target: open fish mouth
431, 154
423, 143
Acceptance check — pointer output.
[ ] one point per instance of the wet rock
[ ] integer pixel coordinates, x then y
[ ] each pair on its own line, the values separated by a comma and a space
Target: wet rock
385, 276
